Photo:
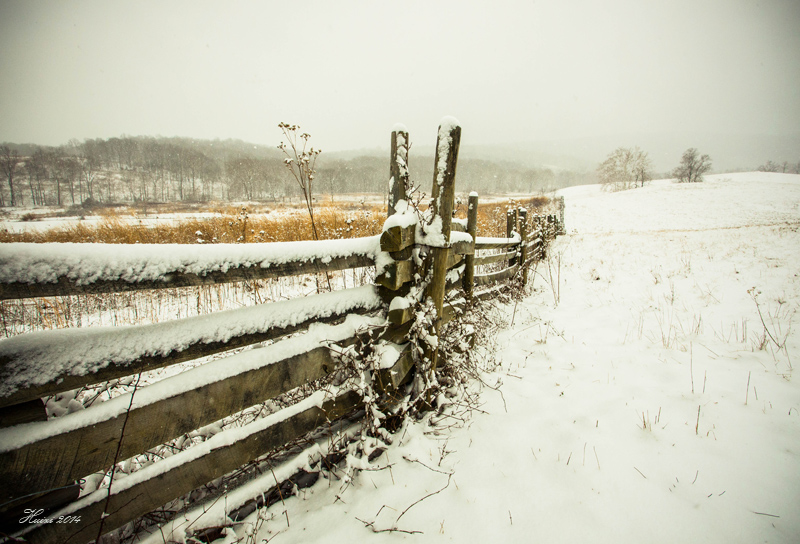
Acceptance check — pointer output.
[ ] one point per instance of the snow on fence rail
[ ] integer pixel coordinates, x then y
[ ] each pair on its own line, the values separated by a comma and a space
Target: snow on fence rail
69, 269
416, 257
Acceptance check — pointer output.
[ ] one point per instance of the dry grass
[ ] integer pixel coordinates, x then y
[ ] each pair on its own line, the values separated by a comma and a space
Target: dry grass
230, 227
492, 216
335, 220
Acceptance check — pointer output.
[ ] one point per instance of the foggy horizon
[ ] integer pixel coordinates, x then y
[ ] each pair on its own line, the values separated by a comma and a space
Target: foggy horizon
515, 73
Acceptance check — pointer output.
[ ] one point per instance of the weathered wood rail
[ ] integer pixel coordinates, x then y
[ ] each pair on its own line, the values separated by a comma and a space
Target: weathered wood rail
41, 462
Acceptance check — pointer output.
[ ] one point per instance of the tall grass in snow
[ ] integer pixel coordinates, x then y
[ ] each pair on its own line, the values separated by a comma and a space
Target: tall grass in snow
334, 220
332, 223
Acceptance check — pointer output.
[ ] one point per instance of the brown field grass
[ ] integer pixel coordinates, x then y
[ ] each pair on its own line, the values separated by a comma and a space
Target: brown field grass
334, 220
492, 216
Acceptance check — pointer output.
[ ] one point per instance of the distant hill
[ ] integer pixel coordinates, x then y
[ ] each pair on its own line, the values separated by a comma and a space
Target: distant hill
142, 168
728, 152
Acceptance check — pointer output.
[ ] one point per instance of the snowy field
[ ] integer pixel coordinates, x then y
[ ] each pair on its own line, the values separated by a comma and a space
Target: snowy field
643, 399
13, 223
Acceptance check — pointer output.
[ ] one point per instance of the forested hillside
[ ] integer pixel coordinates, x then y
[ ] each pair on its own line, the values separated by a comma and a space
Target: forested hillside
148, 169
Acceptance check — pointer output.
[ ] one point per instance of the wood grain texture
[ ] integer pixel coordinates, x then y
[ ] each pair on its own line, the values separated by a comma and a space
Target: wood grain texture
489, 259
492, 292
523, 248
401, 315
396, 274
26, 412
512, 226
156, 491
454, 259
63, 458
193, 350
398, 169
389, 379
495, 245
488, 279
149, 494
472, 230
442, 202
397, 238
463, 248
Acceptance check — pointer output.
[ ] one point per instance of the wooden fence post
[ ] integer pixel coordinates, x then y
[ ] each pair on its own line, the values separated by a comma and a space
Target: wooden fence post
469, 260
398, 168
523, 232
511, 227
562, 229
443, 193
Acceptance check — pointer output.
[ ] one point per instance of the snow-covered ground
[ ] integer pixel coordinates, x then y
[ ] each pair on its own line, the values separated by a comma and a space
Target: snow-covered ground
642, 398
14, 224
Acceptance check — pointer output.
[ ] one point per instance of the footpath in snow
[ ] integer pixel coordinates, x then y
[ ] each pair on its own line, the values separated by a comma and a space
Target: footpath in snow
642, 398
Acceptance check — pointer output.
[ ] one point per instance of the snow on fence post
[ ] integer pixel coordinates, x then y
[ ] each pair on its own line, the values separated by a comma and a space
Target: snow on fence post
443, 196
398, 167
523, 232
561, 207
469, 261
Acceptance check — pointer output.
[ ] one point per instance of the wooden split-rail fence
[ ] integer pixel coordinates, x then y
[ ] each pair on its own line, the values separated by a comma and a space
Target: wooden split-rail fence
42, 462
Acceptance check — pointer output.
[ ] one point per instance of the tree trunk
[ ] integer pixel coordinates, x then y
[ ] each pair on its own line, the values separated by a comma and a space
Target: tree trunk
11, 190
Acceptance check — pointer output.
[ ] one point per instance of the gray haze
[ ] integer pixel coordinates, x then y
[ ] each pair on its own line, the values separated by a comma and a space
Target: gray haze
567, 78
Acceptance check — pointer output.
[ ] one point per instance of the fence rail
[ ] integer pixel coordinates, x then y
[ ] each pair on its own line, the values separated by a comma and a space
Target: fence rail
78, 269
41, 461
59, 357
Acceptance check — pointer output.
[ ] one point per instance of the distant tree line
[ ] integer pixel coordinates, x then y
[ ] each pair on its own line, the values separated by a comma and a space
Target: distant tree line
785, 167
127, 169
630, 167
148, 169
627, 168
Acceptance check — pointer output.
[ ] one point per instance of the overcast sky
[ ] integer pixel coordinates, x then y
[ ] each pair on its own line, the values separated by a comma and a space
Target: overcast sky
510, 71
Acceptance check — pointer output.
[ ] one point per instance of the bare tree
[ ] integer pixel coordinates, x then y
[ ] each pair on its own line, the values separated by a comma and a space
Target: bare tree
9, 161
692, 167
209, 174
770, 166
642, 167
90, 164
36, 170
242, 173
625, 168
66, 169
334, 176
